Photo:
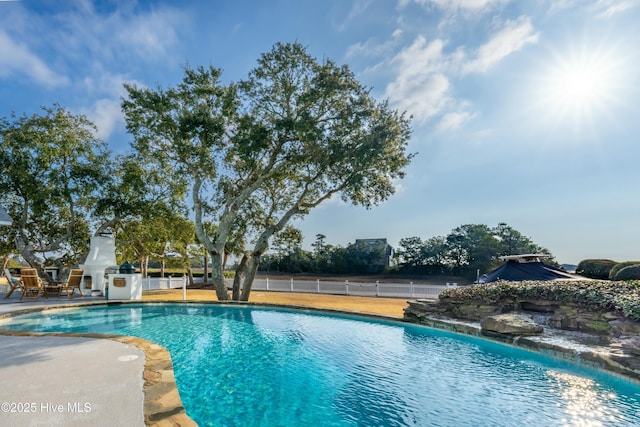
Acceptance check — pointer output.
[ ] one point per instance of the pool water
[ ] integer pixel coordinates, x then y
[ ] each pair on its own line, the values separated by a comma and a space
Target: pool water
257, 366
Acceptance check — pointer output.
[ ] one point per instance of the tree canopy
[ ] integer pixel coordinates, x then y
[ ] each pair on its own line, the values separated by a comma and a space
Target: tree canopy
59, 183
465, 250
53, 167
268, 149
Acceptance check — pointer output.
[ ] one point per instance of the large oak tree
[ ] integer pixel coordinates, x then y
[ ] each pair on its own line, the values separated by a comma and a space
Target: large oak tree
258, 153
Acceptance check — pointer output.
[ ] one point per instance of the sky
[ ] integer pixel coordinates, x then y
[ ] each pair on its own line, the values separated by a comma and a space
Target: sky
524, 112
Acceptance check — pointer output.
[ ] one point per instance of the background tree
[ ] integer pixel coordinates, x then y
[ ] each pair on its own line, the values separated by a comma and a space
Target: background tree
153, 238
480, 245
182, 237
53, 168
285, 243
291, 136
410, 252
7, 246
512, 242
435, 254
318, 245
137, 192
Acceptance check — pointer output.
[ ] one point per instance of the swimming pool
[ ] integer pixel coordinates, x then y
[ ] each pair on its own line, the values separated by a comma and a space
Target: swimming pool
260, 366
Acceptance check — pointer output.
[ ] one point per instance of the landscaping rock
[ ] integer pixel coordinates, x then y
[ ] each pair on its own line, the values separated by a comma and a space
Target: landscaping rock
539, 306
475, 311
510, 324
632, 346
624, 326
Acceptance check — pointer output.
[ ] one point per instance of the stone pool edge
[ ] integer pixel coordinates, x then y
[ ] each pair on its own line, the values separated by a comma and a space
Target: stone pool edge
591, 356
163, 405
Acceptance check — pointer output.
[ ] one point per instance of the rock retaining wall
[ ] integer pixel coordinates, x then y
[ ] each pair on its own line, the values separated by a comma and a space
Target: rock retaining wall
604, 339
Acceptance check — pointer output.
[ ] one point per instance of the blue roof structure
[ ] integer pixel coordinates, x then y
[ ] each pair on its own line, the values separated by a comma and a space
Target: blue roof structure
514, 271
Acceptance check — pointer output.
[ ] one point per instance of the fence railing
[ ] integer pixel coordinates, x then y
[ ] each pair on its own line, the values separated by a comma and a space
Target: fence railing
377, 289
400, 290
157, 283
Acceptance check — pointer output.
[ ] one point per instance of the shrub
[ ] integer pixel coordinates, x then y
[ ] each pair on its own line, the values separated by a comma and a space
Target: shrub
630, 272
592, 295
619, 266
595, 268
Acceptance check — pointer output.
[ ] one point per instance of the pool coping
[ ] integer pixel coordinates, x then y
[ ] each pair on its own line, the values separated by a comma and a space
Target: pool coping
162, 403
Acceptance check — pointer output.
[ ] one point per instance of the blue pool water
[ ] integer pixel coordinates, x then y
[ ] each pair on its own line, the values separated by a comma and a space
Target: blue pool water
256, 366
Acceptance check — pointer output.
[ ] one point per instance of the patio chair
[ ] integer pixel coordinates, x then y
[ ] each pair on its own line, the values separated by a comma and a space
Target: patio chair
13, 283
31, 283
74, 281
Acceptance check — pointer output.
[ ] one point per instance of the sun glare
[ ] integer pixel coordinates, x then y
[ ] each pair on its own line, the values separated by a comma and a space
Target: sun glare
580, 85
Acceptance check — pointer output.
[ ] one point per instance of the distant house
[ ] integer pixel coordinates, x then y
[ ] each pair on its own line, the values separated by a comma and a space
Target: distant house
379, 252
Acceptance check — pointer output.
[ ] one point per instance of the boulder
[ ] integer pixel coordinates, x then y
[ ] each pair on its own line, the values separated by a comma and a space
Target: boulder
509, 324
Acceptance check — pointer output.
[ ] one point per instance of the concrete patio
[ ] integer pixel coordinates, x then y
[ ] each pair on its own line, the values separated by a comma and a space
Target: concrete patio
74, 380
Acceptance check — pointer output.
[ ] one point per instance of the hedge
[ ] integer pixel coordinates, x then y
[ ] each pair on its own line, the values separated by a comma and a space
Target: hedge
592, 295
631, 272
595, 268
619, 266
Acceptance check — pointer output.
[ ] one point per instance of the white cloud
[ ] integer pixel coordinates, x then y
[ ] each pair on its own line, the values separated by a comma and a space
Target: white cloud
372, 47
358, 8
468, 5
424, 73
454, 120
18, 59
420, 87
608, 8
509, 39
105, 112
85, 42
121, 35
151, 34
107, 116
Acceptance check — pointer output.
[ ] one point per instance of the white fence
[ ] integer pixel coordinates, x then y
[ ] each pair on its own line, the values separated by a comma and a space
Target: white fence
377, 289
400, 290
157, 283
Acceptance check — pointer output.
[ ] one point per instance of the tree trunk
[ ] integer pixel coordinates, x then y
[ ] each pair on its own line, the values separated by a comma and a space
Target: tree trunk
143, 267
29, 255
250, 275
205, 277
224, 260
217, 277
240, 271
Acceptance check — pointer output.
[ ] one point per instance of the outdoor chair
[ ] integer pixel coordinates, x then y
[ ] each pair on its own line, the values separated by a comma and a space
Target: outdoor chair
31, 283
74, 281
13, 283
